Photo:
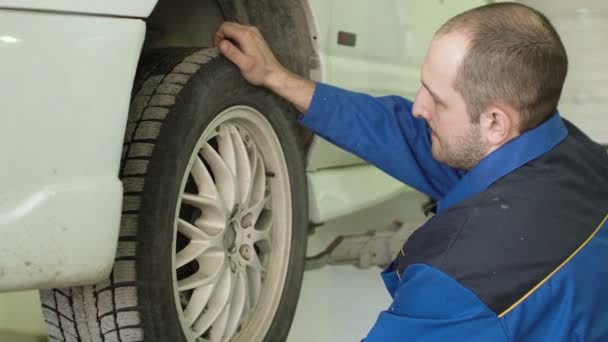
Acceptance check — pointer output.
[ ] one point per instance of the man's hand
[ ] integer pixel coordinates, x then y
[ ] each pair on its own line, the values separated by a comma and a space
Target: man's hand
251, 54
245, 47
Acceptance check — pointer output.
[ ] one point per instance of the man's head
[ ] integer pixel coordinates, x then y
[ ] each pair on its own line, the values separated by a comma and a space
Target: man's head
490, 74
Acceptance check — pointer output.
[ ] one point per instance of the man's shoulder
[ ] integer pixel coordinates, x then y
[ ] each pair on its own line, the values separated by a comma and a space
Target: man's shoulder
500, 243
471, 228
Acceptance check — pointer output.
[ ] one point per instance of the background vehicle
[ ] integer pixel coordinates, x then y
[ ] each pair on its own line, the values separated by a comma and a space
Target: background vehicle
205, 230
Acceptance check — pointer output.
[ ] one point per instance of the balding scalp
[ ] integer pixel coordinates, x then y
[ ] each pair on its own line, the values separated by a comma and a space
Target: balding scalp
515, 57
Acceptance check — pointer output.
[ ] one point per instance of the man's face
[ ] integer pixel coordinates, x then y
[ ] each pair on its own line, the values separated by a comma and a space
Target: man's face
456, 141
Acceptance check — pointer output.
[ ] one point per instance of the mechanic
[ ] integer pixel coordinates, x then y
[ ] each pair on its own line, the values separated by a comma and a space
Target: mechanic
518, 246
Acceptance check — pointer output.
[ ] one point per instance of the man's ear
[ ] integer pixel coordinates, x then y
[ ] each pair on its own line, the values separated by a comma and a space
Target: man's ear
499, 124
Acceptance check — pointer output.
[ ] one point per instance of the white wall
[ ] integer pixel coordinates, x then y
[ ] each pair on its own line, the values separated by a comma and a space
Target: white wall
583, 27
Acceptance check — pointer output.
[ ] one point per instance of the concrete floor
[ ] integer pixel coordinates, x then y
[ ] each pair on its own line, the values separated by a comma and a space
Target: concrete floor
337, 303
341, 303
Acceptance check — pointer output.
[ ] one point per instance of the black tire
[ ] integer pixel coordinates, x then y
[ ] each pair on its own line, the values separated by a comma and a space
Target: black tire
177, 94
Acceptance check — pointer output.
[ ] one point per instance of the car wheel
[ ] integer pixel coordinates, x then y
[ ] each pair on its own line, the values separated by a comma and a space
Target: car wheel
213, 234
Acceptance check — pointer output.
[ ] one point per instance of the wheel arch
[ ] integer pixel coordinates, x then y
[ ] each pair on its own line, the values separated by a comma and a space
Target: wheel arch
287, 25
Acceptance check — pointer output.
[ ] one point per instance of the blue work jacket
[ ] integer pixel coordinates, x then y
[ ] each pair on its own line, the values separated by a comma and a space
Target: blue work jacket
518, 248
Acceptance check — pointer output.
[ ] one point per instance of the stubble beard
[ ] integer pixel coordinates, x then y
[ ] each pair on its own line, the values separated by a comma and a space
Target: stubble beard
463, 152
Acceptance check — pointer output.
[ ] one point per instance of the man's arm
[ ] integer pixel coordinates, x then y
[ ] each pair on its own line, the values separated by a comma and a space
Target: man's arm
259, 66
382, 131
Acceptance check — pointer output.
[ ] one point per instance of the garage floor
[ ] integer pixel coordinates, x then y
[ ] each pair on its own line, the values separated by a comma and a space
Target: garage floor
337, 303
341, 303
351, 301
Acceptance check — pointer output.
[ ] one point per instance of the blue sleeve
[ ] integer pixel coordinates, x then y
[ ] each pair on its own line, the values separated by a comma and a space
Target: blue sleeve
429, 305
383, 132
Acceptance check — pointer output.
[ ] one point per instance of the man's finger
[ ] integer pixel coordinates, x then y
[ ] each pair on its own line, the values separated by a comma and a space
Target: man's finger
230, 30
235, 55
217, 38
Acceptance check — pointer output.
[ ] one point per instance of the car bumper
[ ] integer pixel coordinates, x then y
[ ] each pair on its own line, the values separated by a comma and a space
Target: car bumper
64, 93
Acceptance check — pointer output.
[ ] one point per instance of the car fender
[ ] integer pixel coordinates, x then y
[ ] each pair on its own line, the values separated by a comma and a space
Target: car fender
122, 8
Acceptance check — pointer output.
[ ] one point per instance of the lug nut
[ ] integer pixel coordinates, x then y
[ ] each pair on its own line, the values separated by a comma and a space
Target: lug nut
245, 252
247, 220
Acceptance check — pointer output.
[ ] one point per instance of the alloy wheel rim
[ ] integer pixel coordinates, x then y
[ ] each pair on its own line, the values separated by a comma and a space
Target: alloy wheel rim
232, 230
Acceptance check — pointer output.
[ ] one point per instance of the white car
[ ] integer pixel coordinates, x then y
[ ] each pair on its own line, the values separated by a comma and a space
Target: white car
194, 226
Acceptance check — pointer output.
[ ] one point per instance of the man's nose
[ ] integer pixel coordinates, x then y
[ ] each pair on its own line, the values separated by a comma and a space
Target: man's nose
420, 109
417, 110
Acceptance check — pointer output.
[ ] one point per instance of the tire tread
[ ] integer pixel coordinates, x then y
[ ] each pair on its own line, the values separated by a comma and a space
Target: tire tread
110, 311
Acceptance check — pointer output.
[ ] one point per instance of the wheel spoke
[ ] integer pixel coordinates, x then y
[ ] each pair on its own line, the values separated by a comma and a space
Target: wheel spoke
201, 201
224, 177
211, 266
243, 166
194, 233
253, 158
254, 277
226, 147
258, 206
261, 235
256, 263
202, 178
213, 215
198, 301
264, 221
211, 224
258, 188
219, 299
219, 326
237, 307
191, 252
247, 309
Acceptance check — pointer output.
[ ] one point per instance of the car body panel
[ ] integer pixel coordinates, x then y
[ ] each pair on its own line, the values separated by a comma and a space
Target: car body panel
339, 192
65, 85
130, 8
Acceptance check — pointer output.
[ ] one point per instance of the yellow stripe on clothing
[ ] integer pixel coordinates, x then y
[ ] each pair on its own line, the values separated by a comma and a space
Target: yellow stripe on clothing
556, 270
